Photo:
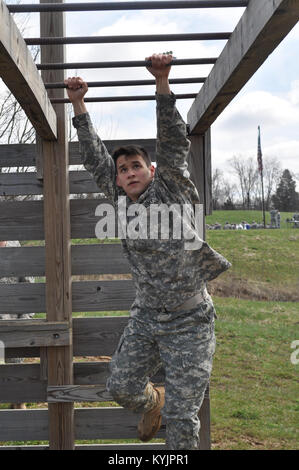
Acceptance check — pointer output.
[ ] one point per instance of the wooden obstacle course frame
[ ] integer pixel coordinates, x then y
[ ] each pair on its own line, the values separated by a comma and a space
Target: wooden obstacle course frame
57, 379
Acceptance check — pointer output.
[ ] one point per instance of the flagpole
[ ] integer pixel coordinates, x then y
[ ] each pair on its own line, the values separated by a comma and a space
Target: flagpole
260, 167
263, 200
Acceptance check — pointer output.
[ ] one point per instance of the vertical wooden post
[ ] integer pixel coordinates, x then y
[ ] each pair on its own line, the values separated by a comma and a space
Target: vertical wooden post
200, 168
57, 238
200, 173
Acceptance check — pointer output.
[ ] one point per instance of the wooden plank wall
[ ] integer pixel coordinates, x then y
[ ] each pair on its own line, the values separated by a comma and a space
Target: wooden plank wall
95, 337
92, 337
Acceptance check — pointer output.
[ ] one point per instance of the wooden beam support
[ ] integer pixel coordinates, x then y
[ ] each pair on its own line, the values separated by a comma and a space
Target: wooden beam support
262, 27
28, 333
78, 393
200, 169
57, 238
19, 73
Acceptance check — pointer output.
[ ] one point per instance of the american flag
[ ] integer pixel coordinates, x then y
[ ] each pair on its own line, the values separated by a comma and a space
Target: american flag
259, 152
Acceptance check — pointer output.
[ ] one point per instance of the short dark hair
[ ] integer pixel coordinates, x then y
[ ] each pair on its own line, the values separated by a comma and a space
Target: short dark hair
132, 150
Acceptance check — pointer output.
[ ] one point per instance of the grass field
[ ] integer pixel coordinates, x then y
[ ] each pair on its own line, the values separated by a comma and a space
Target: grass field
235, 217
265, 263
254, 383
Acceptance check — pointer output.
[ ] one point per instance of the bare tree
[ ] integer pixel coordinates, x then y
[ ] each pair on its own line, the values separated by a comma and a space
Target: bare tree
229, 191
216, 188
247, 174
15, 126
272, 173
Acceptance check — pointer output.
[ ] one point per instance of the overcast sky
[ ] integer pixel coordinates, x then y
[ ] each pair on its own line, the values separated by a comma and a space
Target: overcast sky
270, 99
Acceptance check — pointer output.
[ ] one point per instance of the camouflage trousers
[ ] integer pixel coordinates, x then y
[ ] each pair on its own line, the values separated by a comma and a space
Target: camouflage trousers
183, 343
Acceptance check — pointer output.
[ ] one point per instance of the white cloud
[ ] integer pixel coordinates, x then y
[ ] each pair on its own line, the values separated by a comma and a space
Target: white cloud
294, 92
235, 131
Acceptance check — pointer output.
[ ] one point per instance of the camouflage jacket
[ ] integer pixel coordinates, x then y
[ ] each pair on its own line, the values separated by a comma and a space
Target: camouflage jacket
14, 280
165, 273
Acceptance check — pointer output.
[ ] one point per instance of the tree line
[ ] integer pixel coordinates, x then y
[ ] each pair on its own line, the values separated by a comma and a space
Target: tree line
246, 192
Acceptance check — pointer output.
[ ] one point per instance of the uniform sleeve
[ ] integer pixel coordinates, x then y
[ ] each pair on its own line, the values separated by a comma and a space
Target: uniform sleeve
95, 156
172, 143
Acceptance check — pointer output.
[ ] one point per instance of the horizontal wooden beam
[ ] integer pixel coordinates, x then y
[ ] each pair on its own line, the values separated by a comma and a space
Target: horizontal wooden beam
24, 155
14, 184
27, 220
109, 447
28, 333
93, 336
88, 296
77, 393
33, 387
262, 27
19, 73
91, 423
103, 258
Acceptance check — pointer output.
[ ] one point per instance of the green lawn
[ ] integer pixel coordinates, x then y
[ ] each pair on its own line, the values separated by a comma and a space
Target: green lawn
235, 217
254, 384
267, 256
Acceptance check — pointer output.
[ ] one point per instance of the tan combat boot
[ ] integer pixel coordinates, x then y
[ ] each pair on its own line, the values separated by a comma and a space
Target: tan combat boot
150, 422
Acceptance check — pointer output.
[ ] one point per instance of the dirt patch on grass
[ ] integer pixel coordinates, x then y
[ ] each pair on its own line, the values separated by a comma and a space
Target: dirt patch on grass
227, 287
249, 290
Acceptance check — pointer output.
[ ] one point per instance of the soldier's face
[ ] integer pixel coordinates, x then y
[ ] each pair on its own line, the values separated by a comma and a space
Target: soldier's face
133, 175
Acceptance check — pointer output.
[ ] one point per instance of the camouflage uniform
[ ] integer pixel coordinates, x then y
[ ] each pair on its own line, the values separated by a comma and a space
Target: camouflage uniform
273, 214
165, 275
278, 219
15, 316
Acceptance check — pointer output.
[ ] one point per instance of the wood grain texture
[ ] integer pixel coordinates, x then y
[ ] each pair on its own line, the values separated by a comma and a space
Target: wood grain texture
109, 447
57, 238
19, 73
24, 155
87, 296
21, 383
23, 333
263, 26
24, 220
90, 423
86, 260
93, 336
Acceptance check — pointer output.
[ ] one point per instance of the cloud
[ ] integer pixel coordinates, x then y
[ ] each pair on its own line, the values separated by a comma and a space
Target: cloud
294, 93
235, 131
260, 107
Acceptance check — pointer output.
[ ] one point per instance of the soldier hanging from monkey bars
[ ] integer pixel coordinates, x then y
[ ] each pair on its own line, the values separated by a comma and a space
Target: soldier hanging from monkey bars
172, 318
